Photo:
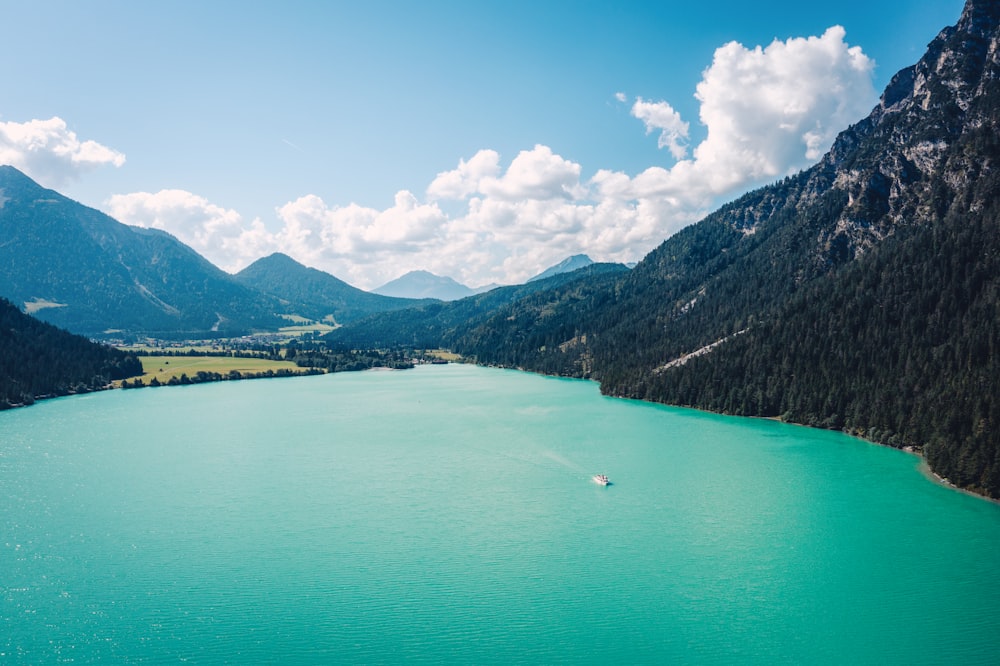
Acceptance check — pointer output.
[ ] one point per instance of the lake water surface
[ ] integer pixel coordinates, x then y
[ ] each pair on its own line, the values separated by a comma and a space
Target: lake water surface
447, 515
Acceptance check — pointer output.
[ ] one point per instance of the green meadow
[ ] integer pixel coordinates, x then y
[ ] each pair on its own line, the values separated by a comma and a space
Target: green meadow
165, 367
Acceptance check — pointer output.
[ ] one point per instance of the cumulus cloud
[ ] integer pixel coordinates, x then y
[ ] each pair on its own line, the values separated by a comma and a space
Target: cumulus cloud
360, 244
661, 116
775, 110
217, 233
464, 180
49, 152
535, 174
767, 112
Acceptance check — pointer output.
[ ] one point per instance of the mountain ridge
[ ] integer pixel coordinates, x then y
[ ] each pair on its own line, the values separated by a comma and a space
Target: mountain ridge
106, 276
861, 294
565, 266
313, 293
420, 284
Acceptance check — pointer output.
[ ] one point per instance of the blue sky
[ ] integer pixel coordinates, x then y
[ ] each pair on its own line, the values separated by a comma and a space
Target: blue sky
480, 140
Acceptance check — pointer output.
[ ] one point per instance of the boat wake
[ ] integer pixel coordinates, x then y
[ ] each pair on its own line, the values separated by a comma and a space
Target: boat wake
555, 457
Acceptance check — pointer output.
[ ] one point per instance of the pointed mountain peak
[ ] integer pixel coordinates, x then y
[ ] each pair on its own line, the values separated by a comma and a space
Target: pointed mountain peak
275, 260
980, 17
15, 180
424, 284
567, 265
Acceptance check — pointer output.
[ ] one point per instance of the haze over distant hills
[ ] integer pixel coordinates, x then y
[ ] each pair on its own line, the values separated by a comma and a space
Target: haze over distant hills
423, 284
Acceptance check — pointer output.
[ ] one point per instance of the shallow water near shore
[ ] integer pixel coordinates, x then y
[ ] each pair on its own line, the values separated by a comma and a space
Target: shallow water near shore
448, 515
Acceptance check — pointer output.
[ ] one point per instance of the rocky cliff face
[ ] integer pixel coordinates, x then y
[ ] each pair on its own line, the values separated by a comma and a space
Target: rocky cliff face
868, 287
862, 294
889, 163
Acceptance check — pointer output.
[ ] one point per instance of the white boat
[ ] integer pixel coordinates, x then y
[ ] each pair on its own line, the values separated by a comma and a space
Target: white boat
602, 479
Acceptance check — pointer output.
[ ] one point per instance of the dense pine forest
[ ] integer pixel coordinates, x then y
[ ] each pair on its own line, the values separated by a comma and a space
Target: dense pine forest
38, 360
862, 294
902, 348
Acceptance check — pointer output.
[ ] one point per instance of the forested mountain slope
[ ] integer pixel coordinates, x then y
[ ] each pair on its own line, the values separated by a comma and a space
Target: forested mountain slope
88, 273
313, 293
863, 293
38, 359
450, 324
868, 295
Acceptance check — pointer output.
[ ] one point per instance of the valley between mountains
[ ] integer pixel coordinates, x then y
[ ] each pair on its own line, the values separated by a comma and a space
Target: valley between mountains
862, 294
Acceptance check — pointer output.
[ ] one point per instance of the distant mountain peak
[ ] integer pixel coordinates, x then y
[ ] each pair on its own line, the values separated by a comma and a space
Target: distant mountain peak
313, 293
859, 294
424, 284
107, 275
576, 262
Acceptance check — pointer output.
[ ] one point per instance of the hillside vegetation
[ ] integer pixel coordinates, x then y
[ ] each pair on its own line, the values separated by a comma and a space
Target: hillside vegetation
862, 294
39, 360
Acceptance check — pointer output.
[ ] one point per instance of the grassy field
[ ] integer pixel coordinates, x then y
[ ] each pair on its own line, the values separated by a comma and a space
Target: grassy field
165, 367
443, 354
185, 349
300, 325
314, 327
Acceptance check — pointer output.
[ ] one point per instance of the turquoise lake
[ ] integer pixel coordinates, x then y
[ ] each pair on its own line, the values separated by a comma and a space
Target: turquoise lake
447, 515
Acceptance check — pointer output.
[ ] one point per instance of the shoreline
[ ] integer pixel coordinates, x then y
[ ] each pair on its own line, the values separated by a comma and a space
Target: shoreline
937, 479
923, 466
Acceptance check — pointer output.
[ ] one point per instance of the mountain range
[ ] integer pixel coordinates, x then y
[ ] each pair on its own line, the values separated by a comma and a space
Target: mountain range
862, 294
313, 293
79, 269
423, 284
83, 271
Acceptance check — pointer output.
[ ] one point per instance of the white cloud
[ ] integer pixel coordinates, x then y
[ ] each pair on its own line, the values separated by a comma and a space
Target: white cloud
359, 244
661, 116
776, 110
463, 181
47, 151
535, 174
767, 112
217, 233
